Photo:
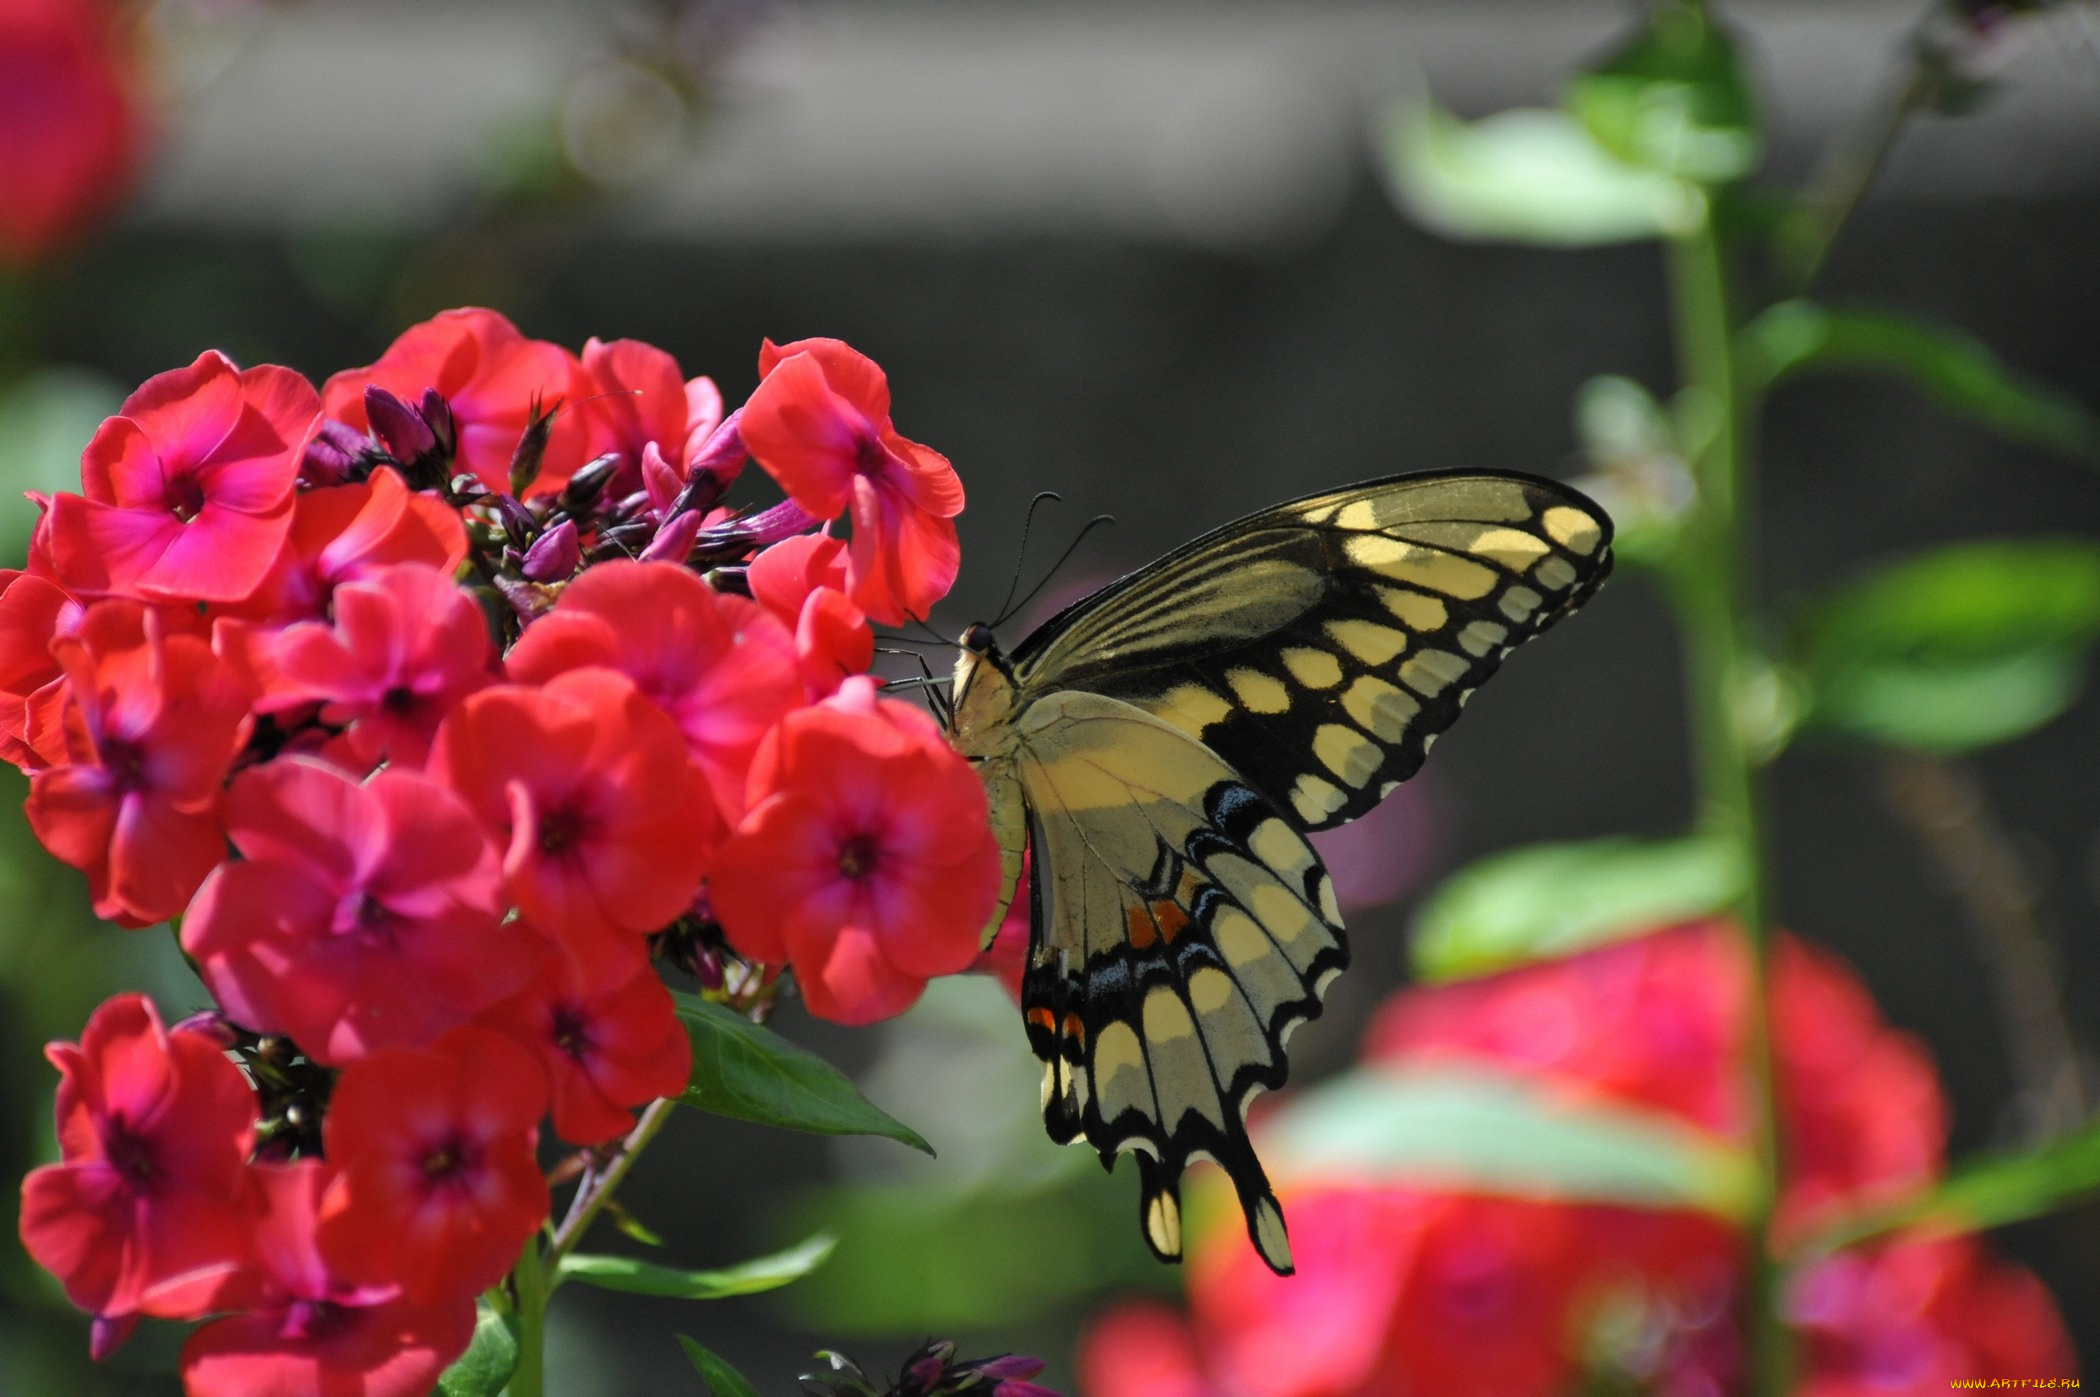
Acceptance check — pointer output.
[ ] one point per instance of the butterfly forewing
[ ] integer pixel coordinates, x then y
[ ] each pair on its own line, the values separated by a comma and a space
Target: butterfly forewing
1185, 928
1319, 647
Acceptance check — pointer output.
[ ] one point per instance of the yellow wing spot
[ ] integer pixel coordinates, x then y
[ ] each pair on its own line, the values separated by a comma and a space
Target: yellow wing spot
1166, 1018
1368, 641
1192, 708
1278, 845
1266, 1223
1163, 1224
1330, 908
1315, 669
1555, 573
1518, 603
1347, 753
1379, 709
1291, 922
1423, 567
1260, 693
1315, 799
1415, 609
1264, 976
1482, 636
1572, 529
1431, 672
1120, 1079
1180, 1070
1513, 548
1231, 1034
1358, 514
1050, 1081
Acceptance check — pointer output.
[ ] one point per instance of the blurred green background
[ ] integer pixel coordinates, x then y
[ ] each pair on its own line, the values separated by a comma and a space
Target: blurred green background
1144, 258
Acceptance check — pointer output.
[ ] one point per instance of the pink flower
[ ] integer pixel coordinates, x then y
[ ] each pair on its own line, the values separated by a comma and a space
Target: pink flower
820, 425
605, 1053
155, 723
587, 788
866, 861
309, 1330
145, 1215
436, 1187
339, 534
492, 377
69, 131
802, 581
405, 648
363, 917
718, 665
642, 401
33, 612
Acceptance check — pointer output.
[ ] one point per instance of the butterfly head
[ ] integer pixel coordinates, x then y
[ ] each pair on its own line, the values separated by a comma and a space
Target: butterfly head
983, 689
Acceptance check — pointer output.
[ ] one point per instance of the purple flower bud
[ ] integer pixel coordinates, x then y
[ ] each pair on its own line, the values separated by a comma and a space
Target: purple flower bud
1011, 1365
334, 456
722, 456
399, 427
1022, 1389
760, 530
588, 484
555, 555
437, 415
108, 1334
532, 447
519, 525
674, 541
212, 1025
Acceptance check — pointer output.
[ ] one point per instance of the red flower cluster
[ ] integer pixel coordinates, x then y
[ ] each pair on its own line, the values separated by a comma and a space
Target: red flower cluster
69, 125
436, 703
1403, 1292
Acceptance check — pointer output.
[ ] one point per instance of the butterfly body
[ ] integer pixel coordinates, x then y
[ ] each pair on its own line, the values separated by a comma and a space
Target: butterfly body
1162, 748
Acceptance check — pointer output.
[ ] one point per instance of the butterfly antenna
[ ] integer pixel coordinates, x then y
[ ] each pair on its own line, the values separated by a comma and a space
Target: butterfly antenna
921, 623
1021, 553
1062, 559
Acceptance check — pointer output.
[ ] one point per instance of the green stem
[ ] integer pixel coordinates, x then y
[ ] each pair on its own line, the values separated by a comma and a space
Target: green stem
538, 1272
1710, 590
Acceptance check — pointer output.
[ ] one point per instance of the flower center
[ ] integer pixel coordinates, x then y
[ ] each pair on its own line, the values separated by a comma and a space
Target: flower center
130, 1154
870, 457
399, 700
125, 761
450, 1161
186, 497
313, 1319
561, 831
858, 855
572, 1031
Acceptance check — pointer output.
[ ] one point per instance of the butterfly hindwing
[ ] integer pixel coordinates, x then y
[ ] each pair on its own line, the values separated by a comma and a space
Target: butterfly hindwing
1184, 928
1321, 646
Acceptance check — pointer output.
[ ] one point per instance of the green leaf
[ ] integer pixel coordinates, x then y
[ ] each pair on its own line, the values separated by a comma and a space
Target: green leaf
1525, 176
1479, 1129
753, 1074
1554, 899
1673, 98
45, 423
721, 1379
1957, 372
1955, 649
634, 1277
486, 1365
1986, 1193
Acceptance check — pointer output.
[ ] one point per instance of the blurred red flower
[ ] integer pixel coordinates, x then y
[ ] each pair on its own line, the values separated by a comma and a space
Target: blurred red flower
153, 723
819, 422
69, 128
362, 917
866, 860
436, 1186
802, 581
605, 1053
719, 666
405, 648
587, 788
33, 612
342, 532
146, 1213
493, 378
189, 487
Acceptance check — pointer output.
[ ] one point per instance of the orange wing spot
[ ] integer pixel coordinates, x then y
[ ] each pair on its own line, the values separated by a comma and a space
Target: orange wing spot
1137, 921
1185, 891
1044, 1019
1172, 920
1075, 1030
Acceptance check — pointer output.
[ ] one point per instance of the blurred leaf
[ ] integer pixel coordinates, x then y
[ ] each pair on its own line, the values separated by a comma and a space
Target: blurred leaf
1986, 1193
634, 1277
753, 1074
721, 1379
1526, 176
486, 1365
1956, 649
1555, 899
45, 422
1958, 373
1477, 1128
930, 1259
1673, 98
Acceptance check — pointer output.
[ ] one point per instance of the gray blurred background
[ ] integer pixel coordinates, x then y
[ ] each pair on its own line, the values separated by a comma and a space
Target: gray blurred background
1142, 256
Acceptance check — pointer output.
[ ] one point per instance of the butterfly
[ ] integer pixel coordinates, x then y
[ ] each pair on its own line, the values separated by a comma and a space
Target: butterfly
1159, 751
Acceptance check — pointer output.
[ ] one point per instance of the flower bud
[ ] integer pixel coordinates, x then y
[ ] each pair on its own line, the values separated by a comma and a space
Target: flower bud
588, 484
674, 541
555, 555
532, 447
399, 427
335, 456
437, 415
519, 525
